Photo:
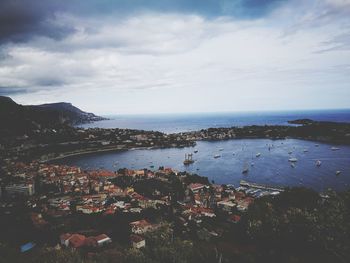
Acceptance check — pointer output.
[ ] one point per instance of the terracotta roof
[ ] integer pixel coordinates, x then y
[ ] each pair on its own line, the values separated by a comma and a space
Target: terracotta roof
77, 240
136, 238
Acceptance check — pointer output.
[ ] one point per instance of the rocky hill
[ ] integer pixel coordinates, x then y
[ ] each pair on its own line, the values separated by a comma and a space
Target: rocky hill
16, 119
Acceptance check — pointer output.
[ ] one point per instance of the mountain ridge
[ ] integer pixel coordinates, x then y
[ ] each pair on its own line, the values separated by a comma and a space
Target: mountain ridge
20, 119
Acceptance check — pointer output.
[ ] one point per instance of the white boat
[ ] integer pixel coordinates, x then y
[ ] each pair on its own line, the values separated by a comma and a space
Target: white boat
221, 149
305, 150
217, 156
252, 164
316, 145
195, 151
290, 152
337, 172
335, 149
233, 153
293, 160
318, 163
292, 165
258, 154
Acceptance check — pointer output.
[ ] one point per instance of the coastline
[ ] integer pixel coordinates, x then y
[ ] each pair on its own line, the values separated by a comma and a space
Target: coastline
113, 149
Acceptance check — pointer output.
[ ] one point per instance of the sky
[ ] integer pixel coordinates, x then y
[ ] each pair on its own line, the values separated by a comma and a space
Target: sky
167, 56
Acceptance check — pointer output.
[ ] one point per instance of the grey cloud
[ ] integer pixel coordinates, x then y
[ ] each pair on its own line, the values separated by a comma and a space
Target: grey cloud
20, 20
12, 90
150, 51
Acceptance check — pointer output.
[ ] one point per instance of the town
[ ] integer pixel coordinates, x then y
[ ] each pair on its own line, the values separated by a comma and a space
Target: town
156, 214
65, 205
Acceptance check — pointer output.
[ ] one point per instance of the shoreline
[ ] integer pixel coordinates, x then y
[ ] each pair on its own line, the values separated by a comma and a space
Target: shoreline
72, 154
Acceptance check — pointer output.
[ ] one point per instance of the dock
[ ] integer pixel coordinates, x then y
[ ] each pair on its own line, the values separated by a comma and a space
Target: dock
261, 186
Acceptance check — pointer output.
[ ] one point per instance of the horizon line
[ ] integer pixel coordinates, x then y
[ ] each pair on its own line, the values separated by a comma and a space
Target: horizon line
224, 112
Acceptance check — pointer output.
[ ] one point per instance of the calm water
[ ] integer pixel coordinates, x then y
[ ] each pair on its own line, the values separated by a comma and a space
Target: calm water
189, 122
272, 167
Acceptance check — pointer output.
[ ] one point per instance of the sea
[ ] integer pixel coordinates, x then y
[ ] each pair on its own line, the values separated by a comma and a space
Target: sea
267, 160
172, 123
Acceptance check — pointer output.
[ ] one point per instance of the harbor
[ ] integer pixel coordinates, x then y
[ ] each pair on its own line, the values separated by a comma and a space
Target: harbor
318, 168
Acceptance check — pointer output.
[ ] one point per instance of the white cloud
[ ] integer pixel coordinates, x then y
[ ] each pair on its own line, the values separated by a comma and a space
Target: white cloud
175, 62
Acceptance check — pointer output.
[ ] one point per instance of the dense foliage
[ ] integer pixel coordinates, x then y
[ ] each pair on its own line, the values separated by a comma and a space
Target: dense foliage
296, 226
301, 226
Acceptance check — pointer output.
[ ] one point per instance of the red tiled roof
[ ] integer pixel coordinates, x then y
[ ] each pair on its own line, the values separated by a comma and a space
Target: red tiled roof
77, 240
136, 238
103, 173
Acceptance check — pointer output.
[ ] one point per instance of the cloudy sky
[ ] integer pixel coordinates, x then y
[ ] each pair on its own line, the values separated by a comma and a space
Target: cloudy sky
160, 56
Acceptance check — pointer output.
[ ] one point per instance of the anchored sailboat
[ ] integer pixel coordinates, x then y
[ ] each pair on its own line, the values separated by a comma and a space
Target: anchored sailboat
188, 159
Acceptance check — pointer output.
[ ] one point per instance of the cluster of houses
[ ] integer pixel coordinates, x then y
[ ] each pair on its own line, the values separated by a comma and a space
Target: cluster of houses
69, 190
137, 239
204, 201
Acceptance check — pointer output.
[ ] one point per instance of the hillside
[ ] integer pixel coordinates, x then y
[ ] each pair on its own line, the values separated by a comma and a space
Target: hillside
18, 119
70, 113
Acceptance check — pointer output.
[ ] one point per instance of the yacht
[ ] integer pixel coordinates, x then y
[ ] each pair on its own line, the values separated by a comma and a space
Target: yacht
258, 154
335, 149
293, 160
217, 156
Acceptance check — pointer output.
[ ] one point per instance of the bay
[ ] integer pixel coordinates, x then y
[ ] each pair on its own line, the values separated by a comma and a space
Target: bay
272, 167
